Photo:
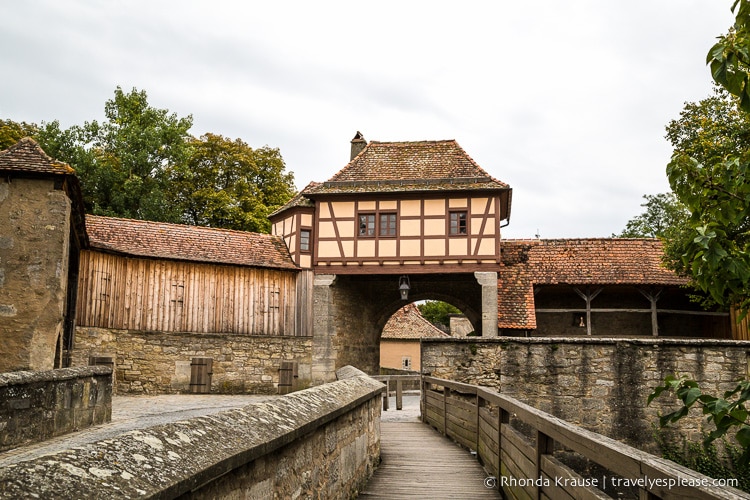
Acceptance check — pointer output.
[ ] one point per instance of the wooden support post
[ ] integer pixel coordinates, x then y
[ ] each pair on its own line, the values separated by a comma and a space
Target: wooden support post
503, 419
588, 296
446, 392
385, 396
399, 394
545, 445
652, 297
478, 402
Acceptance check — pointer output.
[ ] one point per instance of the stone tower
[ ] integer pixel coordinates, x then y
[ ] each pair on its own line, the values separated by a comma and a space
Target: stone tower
42, 229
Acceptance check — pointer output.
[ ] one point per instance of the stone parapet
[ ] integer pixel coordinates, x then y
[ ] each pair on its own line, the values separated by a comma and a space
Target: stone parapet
35, 406
601, 384
322, 442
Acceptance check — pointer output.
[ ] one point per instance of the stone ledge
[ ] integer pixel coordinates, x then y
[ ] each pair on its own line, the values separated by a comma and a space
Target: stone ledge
25, 377
170, 460
592, 340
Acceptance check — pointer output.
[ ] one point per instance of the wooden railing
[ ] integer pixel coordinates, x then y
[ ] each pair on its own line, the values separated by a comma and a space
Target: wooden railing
524, 450
396, 382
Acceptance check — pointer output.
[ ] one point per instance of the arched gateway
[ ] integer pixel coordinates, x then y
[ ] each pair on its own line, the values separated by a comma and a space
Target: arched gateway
415, 217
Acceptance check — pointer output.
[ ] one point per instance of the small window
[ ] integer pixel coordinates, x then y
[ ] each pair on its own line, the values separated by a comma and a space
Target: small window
406, 363
387, 224
367, 225
458, 223
304, 240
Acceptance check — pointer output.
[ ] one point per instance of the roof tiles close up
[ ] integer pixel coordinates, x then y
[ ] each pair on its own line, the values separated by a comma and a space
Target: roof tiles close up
408, 324
192, 243
27, 156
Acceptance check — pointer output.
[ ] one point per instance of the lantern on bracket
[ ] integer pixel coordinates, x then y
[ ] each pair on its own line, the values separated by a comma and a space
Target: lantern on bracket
403, 287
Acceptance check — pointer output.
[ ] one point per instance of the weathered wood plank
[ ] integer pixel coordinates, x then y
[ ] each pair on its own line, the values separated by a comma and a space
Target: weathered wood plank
417, 462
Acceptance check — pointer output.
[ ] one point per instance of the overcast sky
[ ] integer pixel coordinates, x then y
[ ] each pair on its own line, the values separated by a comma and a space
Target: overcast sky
566, 101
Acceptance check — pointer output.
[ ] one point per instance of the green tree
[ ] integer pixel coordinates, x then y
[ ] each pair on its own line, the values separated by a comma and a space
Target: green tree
437, 312
712, 180
132, 150
11, 132
225, 183
709, 175
663, 216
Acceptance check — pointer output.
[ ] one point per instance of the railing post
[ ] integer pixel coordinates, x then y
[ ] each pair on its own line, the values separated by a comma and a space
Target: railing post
446, 392
478, 403
545, 445
399, 394
503, 419
385, 396
423, 398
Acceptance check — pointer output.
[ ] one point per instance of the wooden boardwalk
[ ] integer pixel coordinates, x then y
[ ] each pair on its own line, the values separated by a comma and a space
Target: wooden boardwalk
418, 462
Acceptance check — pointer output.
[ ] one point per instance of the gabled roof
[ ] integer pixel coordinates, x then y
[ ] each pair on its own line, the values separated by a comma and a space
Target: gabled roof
409, 324
298, 200
409, 166
27, 156
191, 243
27, 159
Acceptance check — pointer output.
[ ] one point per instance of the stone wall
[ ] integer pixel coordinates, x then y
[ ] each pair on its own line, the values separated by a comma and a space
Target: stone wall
323, 442
35, 406
33, 272
159, 362
599, 384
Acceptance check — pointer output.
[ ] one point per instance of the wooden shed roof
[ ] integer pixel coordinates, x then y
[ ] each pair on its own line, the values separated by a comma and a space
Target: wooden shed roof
191, 243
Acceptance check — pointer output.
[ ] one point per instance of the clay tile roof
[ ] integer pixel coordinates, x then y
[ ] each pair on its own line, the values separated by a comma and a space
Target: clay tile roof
27, 156
410, 166
618, 261
181, 242
408, 323
299, 200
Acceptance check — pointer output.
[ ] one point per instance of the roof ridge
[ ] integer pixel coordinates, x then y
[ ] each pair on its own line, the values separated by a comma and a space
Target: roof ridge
29, 144
181, 225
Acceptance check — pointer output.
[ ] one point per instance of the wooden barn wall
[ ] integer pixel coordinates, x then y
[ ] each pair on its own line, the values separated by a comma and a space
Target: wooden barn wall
171, 296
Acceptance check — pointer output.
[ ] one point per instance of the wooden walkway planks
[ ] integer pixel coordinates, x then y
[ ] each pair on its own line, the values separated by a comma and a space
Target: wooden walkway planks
418, 462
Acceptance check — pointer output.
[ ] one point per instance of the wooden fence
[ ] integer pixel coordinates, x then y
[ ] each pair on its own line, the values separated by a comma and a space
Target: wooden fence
172, 296
528, 453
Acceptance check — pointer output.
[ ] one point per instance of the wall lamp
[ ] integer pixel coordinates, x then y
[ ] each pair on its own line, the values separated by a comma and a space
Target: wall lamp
403, 287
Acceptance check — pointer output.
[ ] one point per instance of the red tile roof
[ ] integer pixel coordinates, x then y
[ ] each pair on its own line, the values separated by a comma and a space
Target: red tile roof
409, 324
611, 261
298, 200
192, 243
603, 261
410, 166
27, 156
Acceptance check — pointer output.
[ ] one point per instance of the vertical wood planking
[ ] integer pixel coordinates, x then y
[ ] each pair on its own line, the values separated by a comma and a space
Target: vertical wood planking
143, 294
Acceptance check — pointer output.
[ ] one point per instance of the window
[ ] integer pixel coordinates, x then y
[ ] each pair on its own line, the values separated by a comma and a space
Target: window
304, 240
406, 363
367, 225
387, 224
458, 223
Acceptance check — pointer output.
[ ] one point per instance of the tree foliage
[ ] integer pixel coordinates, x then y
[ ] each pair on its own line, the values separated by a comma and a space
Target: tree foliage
225, 183
709, 175
663, 216
728, 413
142, 163
438, 312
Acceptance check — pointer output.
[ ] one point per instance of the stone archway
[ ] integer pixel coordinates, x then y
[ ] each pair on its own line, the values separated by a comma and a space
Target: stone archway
349, 312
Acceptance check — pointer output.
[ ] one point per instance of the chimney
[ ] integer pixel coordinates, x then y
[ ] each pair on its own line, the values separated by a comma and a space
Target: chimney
358, 144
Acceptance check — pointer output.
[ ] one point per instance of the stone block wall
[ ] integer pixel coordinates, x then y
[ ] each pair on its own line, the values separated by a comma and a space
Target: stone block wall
159, 362
599, 384
35, 406
34, 236
322, 442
